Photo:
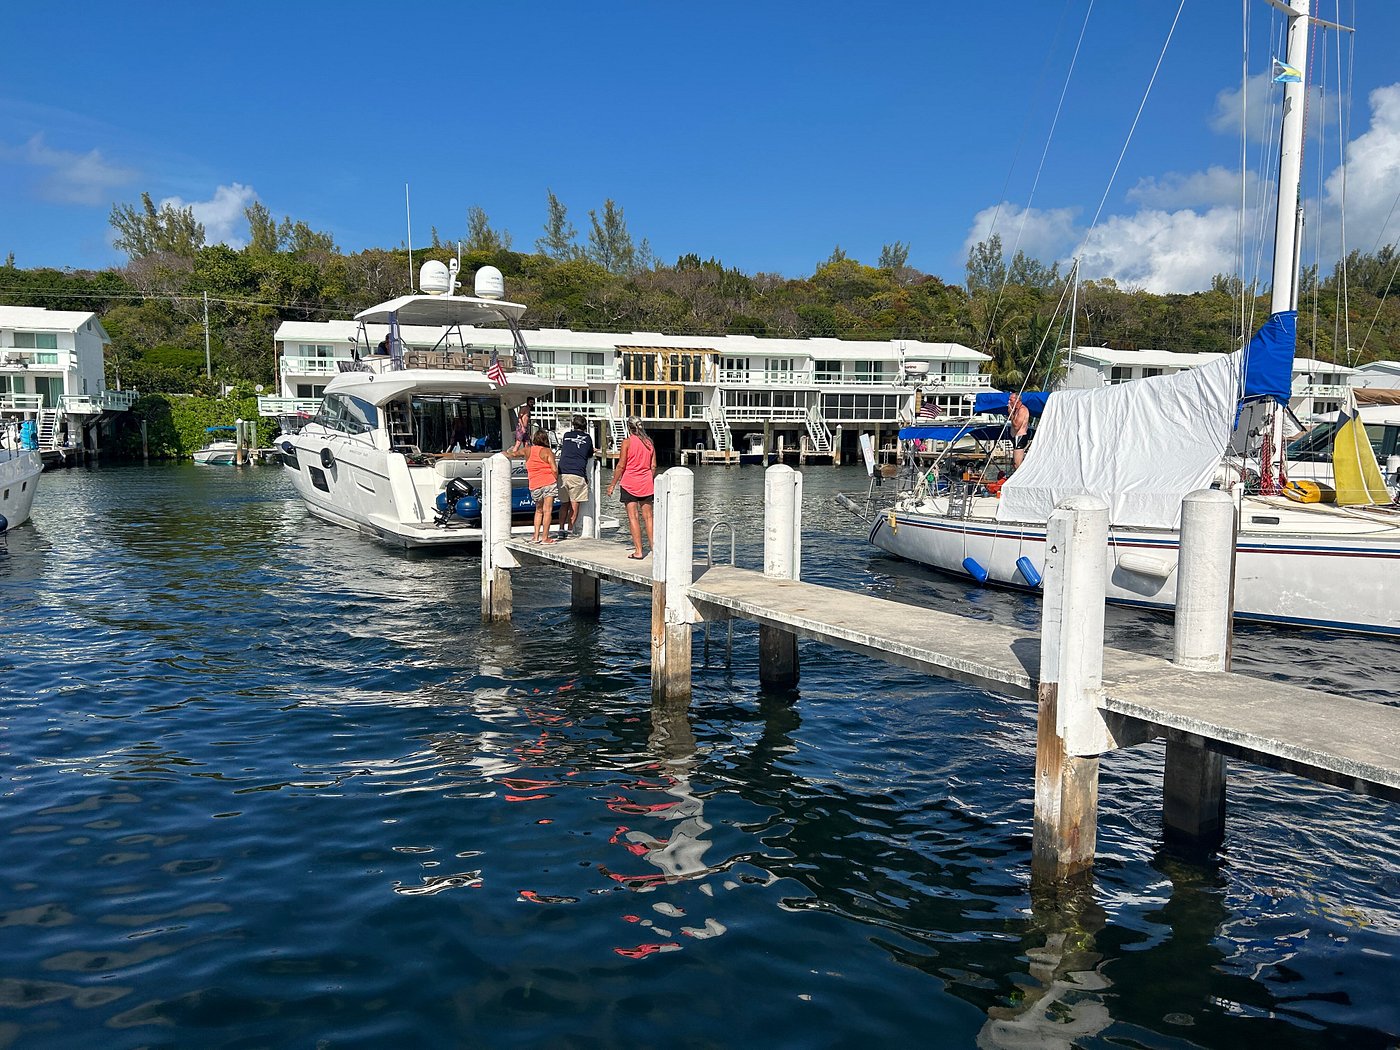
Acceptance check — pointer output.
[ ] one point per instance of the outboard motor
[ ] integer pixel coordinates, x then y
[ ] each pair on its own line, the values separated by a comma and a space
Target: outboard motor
459, 500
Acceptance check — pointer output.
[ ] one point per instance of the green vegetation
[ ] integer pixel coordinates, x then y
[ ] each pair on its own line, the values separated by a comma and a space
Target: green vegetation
176, 423
153, 307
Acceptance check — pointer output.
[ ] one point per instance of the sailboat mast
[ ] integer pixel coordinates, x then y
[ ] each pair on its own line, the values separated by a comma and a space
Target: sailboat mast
1289, 221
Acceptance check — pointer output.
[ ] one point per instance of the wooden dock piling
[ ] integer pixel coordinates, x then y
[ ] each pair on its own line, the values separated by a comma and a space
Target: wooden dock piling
1193, 778
782, 560
1070, 730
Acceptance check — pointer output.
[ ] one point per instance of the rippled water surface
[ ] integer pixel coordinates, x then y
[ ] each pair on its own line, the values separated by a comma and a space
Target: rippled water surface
266, 783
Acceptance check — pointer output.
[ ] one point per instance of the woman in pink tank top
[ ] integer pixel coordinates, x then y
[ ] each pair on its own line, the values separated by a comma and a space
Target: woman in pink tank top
635, 471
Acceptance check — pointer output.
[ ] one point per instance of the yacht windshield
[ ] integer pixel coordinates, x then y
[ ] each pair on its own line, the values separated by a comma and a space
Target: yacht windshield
457, 424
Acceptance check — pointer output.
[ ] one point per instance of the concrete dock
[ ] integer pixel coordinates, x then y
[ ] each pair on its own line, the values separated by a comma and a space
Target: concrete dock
1091, 699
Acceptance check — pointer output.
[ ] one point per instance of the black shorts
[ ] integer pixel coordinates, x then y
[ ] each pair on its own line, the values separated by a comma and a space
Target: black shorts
1023, 442
627, 497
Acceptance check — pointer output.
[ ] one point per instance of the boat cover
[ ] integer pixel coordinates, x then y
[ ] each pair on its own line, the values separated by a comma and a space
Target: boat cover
1268, 359
1139, 446
1000, 401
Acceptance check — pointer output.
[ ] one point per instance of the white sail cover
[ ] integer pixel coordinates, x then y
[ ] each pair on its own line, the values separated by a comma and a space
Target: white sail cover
1138, 446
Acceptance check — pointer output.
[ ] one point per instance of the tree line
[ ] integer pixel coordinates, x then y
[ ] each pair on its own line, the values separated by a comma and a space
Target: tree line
1016, 310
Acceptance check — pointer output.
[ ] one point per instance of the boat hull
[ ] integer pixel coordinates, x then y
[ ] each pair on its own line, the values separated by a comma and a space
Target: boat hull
19, 480
1344, 582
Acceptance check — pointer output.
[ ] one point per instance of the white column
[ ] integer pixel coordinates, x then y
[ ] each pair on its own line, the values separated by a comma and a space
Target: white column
672, 568
1193, 779
782, 560
1070, 731
496, 561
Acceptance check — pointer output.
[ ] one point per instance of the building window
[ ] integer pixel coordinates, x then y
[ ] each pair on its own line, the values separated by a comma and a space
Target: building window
872, 372
828, 371
36, 340
320, 350
1120, 374
1146, 372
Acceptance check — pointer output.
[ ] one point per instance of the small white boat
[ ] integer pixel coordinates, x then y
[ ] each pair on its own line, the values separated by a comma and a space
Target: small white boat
217, 453
379, 455
20, 468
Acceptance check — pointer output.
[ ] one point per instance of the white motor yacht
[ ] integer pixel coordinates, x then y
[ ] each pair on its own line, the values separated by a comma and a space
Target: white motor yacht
397, 448
20, 468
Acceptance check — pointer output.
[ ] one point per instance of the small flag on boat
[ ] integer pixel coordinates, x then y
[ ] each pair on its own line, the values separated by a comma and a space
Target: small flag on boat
495, 372
1286, 74
929, 410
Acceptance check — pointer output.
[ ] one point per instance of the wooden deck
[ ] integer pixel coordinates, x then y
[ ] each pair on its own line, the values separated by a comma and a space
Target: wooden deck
1334, 739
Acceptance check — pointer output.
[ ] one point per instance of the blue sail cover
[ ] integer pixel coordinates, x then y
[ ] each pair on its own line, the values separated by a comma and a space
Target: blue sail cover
952, 433
1268, 359
999, 400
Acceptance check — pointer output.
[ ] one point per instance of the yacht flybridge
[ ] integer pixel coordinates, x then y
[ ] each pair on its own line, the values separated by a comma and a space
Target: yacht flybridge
397, 448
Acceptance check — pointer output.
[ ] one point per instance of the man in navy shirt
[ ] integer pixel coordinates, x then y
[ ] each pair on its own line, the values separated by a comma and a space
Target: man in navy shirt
575, 449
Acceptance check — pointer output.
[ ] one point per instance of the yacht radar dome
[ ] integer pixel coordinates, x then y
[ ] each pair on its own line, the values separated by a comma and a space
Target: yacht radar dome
433, 278
916, 368
490, 284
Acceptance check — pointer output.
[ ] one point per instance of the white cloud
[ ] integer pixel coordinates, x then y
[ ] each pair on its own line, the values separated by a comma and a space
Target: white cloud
222, 215
1372, 176
68, 177
1214, 186
1258, 103
1043, 234
1163, 251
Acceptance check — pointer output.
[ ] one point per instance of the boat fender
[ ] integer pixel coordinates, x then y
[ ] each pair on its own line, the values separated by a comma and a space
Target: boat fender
1146, 564
892, 521
4, 523
468, 507
327, 458
287, 447
1303, 491
975, 570
1028, 572
441, 502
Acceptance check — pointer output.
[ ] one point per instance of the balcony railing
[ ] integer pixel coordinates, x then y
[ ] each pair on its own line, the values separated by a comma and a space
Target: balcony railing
21, 402
312, 366
766, 376
102, 401
18, 357
288, 406
1336, 391
577, 373
763, 413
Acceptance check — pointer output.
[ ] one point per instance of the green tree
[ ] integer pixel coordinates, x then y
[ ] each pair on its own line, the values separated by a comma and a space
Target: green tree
559, 232
150, 231
894, 257
609, 243
480, 236
263, 235
986, 266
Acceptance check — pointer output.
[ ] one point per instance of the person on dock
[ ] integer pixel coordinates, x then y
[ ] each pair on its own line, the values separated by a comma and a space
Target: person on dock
1020, 428
636, 473
542, 471
575, 450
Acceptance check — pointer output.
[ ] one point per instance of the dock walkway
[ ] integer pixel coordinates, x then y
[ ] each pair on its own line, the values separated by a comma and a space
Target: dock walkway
1090, 699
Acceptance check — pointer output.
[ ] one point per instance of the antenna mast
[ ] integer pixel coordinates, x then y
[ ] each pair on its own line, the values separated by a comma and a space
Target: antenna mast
408, 210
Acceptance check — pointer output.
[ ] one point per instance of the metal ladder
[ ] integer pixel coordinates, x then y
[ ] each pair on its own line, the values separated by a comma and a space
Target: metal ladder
709, 564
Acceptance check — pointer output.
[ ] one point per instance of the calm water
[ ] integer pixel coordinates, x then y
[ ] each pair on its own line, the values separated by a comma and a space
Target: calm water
266, 783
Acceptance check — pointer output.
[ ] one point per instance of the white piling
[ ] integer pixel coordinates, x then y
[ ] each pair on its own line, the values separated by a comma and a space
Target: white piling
782, 560
496, 561
1070, 730
1193, 780
585, 591
672, 572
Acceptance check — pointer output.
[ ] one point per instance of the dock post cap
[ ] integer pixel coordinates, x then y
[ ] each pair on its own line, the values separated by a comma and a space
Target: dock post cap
1209, 496
1082, 501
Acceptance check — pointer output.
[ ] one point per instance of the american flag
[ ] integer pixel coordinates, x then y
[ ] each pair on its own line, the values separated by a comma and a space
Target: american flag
929, 410
494, 371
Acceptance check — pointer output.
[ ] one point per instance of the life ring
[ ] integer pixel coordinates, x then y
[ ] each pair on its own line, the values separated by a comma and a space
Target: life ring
327, 458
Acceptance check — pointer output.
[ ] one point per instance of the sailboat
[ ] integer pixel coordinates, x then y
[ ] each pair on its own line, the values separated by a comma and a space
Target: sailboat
1142, 446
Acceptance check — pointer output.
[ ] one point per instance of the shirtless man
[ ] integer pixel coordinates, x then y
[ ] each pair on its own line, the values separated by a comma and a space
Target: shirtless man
1020, 429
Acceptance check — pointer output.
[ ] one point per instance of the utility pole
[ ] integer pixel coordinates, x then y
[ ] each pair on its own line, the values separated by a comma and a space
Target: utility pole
208, 365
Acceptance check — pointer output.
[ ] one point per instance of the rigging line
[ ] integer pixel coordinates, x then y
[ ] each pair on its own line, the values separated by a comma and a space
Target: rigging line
1244, 173
1344, 132
1054, 122
1376, 316
1138, 116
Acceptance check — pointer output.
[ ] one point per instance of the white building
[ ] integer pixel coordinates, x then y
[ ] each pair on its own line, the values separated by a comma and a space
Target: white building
1318, 386
719, 392
52, 371
1377, 374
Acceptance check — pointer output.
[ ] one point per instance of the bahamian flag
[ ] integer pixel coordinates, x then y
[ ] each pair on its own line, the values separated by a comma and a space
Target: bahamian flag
1286, 74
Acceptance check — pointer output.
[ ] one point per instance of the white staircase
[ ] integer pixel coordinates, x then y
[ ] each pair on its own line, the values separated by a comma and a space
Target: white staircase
818, 433
719, 430
617, 431
48, 428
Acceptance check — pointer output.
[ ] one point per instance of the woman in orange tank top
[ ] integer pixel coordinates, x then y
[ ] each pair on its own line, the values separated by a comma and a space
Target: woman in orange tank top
635, 471
543, 473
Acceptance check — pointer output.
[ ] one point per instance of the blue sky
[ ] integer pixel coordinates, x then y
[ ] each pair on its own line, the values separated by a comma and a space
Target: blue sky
762, 134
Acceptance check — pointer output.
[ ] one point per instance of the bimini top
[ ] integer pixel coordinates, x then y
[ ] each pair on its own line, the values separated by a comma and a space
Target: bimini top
442, 310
